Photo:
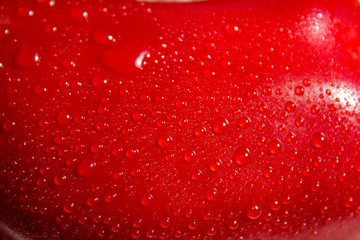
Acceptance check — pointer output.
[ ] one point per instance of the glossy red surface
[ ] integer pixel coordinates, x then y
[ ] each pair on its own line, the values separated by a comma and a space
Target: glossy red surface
215, 120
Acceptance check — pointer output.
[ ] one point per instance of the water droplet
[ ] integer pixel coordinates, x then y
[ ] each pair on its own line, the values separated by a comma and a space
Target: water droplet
242, 156
275, 205
69, 207
231, 29
234, 224
290, 106
78, 13
349, 202
92, 201
211, 231
299, 90
49, 29
124, 59
315, 109
110, 198
85, 168
318, 140
306, 82
219, 125
63, 118
357, 166
189, 155
38, 89
275, 147
284, 69
102, 38
26, 57
96, 148
132, 153
146, 200
8, 125
211, 195
98, 82
214, 165
192, 225
253, 212
252, 94
165, 223
164, 141
199, 131
24, 12
299, 122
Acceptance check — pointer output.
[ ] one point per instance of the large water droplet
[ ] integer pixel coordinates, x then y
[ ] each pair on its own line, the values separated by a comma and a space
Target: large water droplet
26, 57
164, 141
318, 140
253, 212
127, 58
275, 147
219, 125
242, 156
85, 168
211, 195
244, 122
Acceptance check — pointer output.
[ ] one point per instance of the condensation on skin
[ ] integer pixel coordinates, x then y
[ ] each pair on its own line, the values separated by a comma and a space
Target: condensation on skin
8, 234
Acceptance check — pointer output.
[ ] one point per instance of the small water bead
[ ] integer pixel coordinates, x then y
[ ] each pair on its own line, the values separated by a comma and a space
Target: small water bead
98, 81
39, 90
211, 195
96, 148
252, 94
24, 12
135, 233
192, 225
211, 231
299, 90
164, 141
275, 147
85, 169
349, 202
214, 165
244, 122
306, 82
110, 197
132, 153
219, 125
208, 73
290, 106
146, 200
242, 156
189, 156
63, 118
275, 205
92, 201
284, 69
102, 38
49, 29
165, 223
299, 122
234, 224
253, 212
357, 167
231, 29
199, 131
69, 207
8, 125
318, 140
267, 90
315, 109
78, 13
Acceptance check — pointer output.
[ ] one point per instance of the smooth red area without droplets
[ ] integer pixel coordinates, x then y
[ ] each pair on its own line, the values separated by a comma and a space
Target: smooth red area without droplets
208, 120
